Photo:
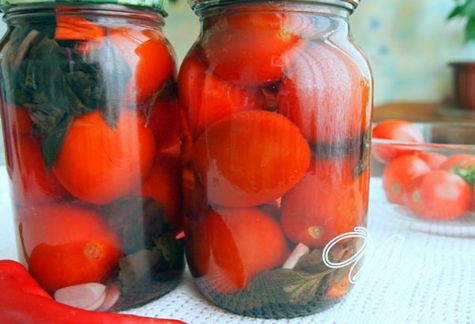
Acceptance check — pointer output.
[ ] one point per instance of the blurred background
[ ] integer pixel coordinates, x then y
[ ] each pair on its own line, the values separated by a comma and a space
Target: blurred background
409, 44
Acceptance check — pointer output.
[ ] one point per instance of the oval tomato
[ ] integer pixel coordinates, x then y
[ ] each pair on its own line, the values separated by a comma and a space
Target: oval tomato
206, 98
235, 244
33, 183
433, 159
250, 60
164, 121
163, 184
438, 195
19, 121
397, 130
399, 174
67, 245
326, 95
251, 158
327, 202
98, 164
150, 58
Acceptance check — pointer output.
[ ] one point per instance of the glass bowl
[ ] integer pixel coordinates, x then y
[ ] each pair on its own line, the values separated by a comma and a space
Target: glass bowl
428, 185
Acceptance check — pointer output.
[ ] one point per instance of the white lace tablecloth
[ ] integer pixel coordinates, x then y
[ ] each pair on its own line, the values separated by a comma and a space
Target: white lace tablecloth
415, 273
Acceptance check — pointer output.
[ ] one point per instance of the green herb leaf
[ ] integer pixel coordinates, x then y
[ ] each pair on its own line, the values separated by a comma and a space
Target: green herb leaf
139, 221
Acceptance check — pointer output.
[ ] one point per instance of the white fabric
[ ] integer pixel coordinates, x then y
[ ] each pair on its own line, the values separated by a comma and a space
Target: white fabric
410, 277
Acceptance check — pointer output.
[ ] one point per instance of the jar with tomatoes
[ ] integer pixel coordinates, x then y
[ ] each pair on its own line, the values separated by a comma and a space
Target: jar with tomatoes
277, 99
93, 148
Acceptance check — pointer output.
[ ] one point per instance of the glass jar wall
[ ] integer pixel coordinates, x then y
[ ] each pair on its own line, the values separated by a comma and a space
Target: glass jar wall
277, 98
92, 140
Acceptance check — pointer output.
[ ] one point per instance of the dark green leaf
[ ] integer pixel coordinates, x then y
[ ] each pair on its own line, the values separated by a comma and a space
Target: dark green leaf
53, 141
138, 221
134, 266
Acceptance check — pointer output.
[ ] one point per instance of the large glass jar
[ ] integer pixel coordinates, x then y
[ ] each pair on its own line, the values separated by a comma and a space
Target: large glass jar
93, 153
278, 100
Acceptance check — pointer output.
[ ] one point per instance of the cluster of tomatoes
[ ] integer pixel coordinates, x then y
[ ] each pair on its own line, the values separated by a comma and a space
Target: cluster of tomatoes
61, 210
430, 184
272, 122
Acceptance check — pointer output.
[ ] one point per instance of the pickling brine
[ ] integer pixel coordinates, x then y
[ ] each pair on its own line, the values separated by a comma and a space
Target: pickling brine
277, 99
92, 136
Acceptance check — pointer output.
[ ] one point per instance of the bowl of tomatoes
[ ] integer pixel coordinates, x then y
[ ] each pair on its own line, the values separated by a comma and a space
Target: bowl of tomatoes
427, 173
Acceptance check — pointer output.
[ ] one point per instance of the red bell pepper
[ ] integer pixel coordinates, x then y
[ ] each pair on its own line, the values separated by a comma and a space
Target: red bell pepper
23, 301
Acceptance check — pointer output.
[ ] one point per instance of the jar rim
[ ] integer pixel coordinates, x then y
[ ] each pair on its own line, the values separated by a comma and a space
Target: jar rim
157, 5
197, 5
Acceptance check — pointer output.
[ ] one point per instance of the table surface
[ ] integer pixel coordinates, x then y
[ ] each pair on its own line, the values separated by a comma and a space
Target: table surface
413, 274
421, 112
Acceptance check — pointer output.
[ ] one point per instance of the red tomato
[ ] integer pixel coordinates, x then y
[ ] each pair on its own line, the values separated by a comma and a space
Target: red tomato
163, 184
164, 121
33, 183
251, 158
98, 164
150, 58
327, 202
256, 43
207, 98
438, 195
433, 159
19, 121
398, 130
67, 245
459, 160
325, 94
233, 245
399, 174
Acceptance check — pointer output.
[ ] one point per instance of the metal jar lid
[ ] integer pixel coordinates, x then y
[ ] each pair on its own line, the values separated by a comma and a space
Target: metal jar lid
159, 5
199, 4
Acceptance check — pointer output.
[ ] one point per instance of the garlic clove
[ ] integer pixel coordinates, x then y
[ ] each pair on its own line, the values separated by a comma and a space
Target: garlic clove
89, 296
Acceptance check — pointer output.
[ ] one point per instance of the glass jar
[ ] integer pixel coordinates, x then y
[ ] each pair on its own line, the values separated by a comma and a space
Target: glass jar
93, 153
278, 101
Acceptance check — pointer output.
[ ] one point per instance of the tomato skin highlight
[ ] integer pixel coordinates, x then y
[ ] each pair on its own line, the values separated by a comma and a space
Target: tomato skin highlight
438, 195
251, 158
207, 98
97, 164
32, 182
67, 245
142, 49
242, 61
399, 174
327, 202
398, 130
233, 245
322, 92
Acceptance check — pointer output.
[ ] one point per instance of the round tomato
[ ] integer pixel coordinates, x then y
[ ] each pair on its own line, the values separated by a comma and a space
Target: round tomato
251, 158
438, 195
206, 98
327, 202
399, 174
150, 59
459, 161
235, 244
397, 130
98, 164
67, 245
33, 183
256, 43
326, 95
